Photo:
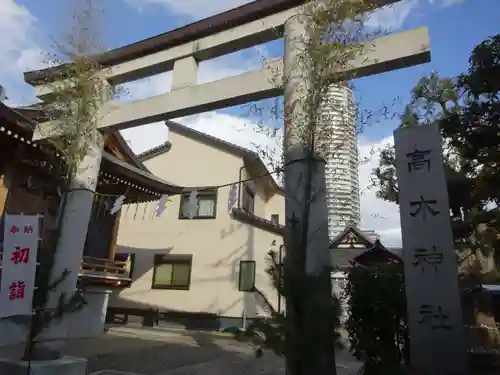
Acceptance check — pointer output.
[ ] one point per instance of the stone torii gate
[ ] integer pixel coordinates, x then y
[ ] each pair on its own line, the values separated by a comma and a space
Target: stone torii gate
180, 51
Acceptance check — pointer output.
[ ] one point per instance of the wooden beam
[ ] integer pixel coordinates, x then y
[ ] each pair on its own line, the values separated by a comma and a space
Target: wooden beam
114, 237
5, 176
4, 193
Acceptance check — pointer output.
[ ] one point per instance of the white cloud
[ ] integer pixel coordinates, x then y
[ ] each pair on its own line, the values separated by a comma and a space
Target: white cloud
143, 138
193, 9
32, 58
391, 17
447, 3
376, 214
147, 87
17, 50
15, 24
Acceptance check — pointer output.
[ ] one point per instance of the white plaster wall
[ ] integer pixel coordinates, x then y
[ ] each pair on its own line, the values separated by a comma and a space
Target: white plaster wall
217, 245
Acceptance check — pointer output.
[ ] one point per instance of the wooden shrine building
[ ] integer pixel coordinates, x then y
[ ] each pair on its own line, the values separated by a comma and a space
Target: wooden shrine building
354, 246
30, 183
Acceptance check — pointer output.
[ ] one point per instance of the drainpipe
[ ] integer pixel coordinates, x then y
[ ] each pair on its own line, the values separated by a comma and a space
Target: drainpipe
240, 177
244, 325
280, 262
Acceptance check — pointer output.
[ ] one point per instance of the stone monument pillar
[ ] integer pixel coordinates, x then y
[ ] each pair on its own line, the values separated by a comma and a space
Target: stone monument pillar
430, 263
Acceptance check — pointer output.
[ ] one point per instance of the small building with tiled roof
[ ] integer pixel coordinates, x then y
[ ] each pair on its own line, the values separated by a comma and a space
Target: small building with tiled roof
29, 182
32, 177
355, 246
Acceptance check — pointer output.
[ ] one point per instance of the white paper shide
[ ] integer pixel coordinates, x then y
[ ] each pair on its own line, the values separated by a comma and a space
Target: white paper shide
20, 248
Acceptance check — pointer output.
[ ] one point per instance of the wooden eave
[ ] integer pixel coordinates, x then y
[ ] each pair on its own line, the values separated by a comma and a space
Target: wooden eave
119, 177
121, 171
377, 254
340, 237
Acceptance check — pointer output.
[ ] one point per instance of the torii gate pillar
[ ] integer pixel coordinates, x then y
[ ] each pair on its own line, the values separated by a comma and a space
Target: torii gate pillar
305, 209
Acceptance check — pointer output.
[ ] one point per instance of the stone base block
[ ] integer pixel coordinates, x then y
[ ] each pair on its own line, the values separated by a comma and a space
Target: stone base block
62, 366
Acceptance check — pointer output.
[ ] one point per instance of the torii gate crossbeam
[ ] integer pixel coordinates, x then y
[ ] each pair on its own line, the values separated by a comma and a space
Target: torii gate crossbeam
258, 22
186, 98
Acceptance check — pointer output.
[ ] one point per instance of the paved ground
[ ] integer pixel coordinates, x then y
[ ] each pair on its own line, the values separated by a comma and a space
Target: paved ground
133, 351
157, 351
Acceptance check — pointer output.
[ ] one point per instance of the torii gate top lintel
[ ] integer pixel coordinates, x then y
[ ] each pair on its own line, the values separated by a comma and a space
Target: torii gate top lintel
187, 96
192, 32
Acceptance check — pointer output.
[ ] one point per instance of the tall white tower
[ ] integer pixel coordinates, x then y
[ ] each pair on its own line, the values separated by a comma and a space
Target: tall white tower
342, 179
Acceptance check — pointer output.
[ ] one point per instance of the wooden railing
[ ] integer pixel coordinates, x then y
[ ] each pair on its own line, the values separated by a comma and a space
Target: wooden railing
106, 272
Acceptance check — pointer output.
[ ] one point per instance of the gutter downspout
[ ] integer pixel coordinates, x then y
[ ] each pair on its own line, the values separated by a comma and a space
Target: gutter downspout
240, 184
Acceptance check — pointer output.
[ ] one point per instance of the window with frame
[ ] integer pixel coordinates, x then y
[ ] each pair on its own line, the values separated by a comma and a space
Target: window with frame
247, 276
206, 207
248, 200
172, 272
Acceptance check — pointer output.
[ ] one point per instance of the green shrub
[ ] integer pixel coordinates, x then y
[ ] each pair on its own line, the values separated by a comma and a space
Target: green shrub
377, 324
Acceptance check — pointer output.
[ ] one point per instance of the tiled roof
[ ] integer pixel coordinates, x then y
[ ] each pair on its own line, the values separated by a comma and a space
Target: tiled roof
341, 258
25, 119
337, 240
396, 250
152, 152
38, 112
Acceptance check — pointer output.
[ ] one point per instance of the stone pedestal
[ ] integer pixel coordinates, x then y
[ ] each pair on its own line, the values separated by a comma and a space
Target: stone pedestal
85, 323
63, 366
89, 322
12, 333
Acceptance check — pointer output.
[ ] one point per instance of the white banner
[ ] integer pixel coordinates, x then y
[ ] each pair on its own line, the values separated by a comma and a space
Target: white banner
20, 247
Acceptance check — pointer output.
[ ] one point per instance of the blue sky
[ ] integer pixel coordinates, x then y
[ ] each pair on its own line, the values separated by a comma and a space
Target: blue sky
454, 31
455, 27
